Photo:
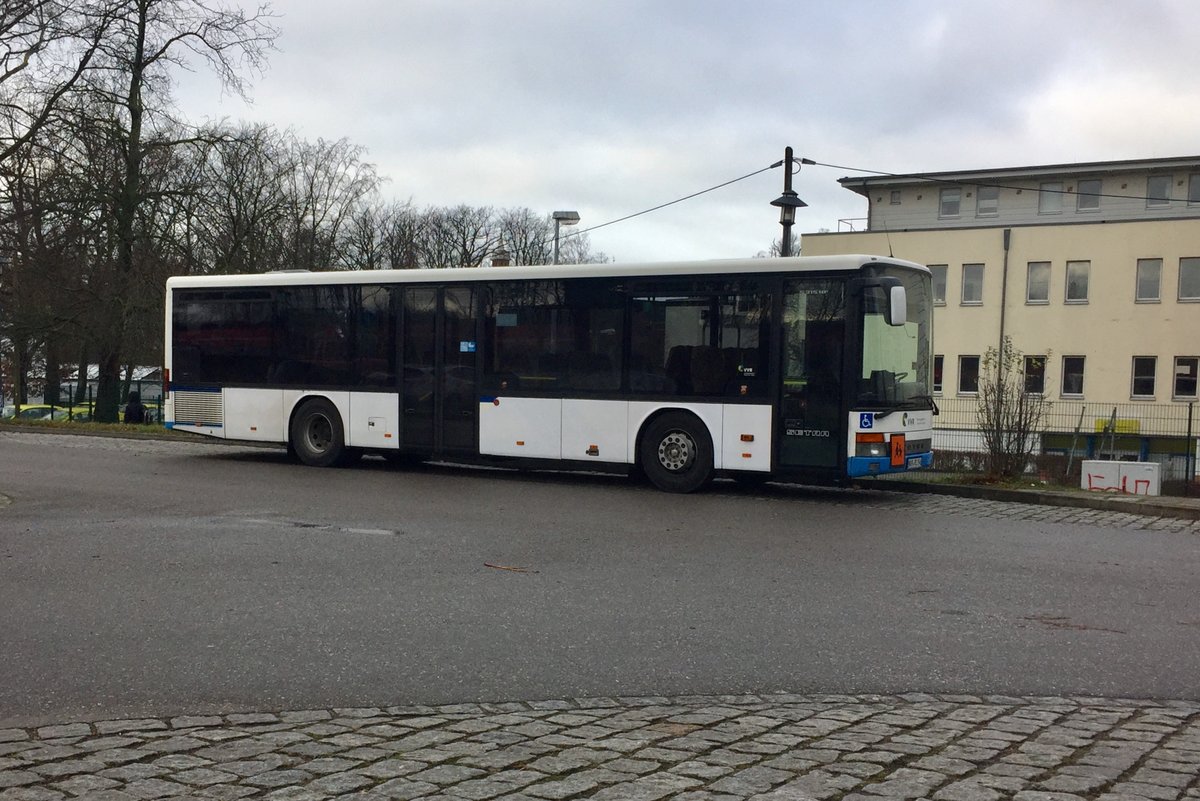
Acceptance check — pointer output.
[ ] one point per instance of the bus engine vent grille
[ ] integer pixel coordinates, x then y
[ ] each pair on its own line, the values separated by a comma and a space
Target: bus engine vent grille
199, 408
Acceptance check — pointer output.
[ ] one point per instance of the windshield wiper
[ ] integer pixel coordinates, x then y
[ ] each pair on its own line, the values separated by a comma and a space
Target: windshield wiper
912, 403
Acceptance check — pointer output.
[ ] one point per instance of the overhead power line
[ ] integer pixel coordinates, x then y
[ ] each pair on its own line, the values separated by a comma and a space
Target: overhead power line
670, 202
931, 178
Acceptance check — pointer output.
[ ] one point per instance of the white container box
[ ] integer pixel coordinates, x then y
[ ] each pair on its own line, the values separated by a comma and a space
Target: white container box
1126, 478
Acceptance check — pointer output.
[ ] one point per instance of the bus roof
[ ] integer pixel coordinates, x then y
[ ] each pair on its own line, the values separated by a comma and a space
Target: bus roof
543, 271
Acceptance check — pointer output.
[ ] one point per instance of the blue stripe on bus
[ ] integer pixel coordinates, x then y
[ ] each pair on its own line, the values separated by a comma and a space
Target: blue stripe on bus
181, 388
860, 466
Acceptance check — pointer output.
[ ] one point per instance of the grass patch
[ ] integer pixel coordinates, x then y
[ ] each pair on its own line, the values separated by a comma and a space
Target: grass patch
72, 427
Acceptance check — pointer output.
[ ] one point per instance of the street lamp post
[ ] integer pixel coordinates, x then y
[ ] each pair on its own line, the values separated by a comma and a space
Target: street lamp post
562, 218
788, 202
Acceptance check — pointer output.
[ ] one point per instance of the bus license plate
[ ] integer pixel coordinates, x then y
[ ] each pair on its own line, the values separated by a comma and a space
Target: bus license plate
914, 461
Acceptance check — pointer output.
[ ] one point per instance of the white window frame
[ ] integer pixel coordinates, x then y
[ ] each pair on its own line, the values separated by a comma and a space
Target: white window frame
1025, 374
1092, 197
1137, 281
1133, 378
993, 201
1154, 201
1194, 189
978, 367
1087, 278
944, 197
895, 197
1082, 377
963, 294
1050, 197
1191, 370
945, 273
1189, 264
938, 359
1032, 301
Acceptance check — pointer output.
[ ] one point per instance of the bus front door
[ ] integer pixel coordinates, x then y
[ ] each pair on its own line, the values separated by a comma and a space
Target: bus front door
814, 330
438, 400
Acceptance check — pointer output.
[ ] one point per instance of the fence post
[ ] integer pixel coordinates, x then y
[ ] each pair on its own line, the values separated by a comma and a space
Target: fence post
1190, 471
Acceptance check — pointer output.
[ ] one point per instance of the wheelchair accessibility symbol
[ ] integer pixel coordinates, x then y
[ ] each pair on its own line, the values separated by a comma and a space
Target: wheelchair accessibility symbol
866, 420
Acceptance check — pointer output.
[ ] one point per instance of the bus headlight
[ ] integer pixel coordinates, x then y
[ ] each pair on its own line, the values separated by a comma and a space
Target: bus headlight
870, 445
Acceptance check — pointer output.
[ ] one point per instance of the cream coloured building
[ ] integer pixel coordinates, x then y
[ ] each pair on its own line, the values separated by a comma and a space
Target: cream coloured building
1092, 269
1095, 267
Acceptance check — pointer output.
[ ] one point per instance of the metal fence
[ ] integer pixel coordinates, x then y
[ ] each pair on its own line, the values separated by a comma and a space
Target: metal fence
1072, 431
36, 409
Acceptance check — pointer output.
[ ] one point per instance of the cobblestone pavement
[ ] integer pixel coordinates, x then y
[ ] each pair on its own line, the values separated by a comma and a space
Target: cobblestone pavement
769, 748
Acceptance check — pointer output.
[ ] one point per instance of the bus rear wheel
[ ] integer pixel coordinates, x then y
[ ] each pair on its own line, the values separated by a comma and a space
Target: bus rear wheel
677, 453
317, 436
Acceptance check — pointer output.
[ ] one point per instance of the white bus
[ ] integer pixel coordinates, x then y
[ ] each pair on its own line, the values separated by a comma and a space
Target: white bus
810, 368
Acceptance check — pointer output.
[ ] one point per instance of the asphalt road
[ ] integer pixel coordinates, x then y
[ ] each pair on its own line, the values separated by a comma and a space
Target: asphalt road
157, 578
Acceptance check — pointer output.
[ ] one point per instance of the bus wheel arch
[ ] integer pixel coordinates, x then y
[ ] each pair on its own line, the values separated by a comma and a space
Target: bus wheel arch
316, 433
675, 451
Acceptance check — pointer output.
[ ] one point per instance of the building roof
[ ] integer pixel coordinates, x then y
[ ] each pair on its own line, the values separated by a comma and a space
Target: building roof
863, 184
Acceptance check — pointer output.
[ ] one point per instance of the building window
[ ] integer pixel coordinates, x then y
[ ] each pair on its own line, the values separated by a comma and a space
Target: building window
1037, 284
1194, 189
972, 284
1143, 376
1050, 198
1189, 278
968, 375
938, 361
895, 197
951, 200
1149, 280
1035, 374
939, 283
1088, 196
1186, 368
987, 201
1158, 191
1072, 376
1077, 281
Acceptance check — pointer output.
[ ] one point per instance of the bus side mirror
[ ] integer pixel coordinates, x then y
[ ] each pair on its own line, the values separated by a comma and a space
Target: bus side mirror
886, 291
897, 308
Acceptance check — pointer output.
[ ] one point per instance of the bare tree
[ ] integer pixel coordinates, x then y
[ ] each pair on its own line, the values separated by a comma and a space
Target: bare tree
526, 236
46, 47
576, 248
405, 228
329, 182
132, 76
1009, 416
458, 236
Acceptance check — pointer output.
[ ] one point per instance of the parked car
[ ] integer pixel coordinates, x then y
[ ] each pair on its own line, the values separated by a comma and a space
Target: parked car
41, 411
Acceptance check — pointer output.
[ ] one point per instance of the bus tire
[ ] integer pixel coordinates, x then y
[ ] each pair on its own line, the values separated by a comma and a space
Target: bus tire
676, 453
317, 435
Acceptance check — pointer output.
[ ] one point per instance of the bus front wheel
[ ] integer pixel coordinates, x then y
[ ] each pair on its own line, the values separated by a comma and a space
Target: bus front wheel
677, 453
317, 436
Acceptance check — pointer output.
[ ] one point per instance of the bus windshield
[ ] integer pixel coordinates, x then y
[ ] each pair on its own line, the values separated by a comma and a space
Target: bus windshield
895, 358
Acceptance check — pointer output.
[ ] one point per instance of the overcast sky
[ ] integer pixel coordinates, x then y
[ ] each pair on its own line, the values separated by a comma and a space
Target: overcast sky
610, 107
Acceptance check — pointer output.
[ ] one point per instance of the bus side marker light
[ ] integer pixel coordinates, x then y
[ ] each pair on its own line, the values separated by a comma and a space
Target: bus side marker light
253, 428
593, 450
747, 438
496, 402
387, 436
747, 456
521, 442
